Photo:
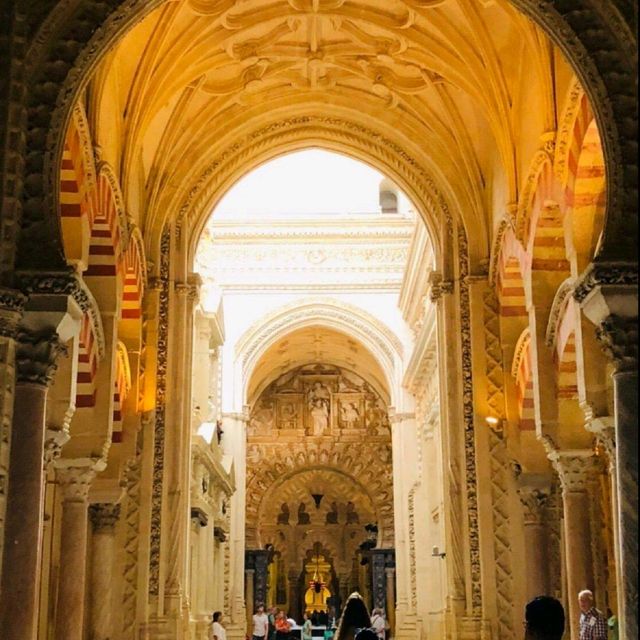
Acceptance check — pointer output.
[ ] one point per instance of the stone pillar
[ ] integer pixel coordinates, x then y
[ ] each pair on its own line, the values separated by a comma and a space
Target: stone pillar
608, 295
249, 598
294, 595
104, 517
35, 357
74, 479
533, 498
390, 610
574, 467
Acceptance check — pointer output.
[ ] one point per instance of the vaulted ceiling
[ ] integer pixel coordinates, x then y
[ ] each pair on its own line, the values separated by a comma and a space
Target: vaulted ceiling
449, 93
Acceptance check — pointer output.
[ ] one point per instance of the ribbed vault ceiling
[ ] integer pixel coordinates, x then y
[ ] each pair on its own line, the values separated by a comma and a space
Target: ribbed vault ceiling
441, 79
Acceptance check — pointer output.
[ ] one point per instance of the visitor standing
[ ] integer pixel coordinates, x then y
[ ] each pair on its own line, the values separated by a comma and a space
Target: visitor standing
282, 626
307, 627
218, 632
260, 624
273, 612
593, 624
378, 623
543, 619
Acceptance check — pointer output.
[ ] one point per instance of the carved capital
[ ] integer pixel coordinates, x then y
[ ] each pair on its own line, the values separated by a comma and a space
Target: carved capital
604, 429
618, 338
75, 481
12, 304
605, 275
574, 468
533, 500
439, 287
104, 516
37, 355
55, 439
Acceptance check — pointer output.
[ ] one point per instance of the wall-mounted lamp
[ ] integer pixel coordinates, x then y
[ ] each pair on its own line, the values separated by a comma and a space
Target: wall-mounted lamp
494, 423
436, 553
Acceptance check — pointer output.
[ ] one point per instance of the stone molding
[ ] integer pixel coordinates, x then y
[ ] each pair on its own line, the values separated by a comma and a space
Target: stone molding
104, 516
438, 286
55, 439
36, 356
558, 306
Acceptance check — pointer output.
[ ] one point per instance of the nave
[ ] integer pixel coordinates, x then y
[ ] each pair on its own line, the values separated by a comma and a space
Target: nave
201, 412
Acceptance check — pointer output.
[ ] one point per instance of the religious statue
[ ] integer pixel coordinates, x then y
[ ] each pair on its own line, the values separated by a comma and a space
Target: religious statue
303, 516
320, 417
289, 416
352, 514
332, 516
283, 516
350, 415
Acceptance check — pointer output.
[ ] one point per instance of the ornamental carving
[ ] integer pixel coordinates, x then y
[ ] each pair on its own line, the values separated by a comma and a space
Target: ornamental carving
11, 308
618, 338
600, 274
37, 355
104, 517
74, 482
573, 468
533, 500
160, 415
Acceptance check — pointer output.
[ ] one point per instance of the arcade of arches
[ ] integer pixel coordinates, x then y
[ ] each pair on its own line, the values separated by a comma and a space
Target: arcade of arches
447, 423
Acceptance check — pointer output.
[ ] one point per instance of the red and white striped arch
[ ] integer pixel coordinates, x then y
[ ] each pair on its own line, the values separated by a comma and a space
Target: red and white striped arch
521, 371
510, 280
122, 385
87, 365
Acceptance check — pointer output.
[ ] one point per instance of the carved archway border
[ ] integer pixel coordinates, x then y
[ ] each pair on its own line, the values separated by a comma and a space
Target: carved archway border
367, 471
355, 322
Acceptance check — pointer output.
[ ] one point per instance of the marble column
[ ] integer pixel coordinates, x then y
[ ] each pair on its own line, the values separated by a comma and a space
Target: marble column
533, 499
74, 482
36, 355
608, 295
573, 468
104, 517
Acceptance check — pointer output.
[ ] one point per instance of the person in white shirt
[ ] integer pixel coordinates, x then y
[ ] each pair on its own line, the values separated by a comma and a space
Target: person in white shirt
260, 624
378, 623
217, 630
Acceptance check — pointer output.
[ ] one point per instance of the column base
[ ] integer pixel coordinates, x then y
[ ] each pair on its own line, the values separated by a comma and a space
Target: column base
236, 632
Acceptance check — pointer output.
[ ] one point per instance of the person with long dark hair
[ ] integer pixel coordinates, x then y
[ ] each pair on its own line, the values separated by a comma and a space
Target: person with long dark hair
355, 617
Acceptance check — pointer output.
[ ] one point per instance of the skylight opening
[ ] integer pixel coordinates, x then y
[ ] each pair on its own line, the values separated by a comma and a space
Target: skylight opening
307, 183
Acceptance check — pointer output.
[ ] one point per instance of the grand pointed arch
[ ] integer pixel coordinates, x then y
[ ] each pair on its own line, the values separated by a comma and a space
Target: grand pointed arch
379, 340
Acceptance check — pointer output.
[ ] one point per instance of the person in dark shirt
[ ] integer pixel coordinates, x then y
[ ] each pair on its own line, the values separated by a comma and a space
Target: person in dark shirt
543, 619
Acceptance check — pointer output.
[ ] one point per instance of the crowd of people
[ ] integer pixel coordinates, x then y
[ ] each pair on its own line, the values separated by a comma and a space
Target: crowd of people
544, 619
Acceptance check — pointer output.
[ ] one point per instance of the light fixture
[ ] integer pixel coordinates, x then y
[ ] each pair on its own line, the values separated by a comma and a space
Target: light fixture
492, 420
436, 553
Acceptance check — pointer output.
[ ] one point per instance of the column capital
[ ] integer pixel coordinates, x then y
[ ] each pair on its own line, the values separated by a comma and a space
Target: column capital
104, 516
74, 477
36, 356
574, 468
54, 440
604, 429
618, 337
12, 303
533, 499
439, 286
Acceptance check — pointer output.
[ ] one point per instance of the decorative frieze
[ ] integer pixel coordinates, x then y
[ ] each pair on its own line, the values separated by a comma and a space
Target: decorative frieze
160, 414
600, 274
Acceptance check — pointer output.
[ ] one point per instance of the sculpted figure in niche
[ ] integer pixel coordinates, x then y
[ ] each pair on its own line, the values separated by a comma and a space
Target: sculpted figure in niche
303, 516
332, 516
289, 416
318, 392
283, 516
350, 415
320, 417
352, 514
